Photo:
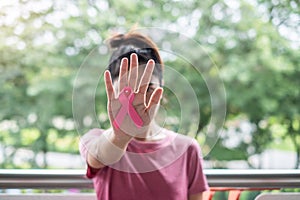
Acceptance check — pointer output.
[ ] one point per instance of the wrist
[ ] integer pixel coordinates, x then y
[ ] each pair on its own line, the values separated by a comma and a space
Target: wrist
119, 138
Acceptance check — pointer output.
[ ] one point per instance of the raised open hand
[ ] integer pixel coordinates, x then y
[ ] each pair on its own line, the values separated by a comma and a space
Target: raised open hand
131, 107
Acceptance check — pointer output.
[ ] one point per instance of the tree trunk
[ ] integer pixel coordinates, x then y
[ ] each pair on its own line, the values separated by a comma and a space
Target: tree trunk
298, 157
297, 148
293, 136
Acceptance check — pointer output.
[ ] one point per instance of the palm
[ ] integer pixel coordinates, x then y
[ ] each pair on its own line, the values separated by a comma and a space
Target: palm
120, 111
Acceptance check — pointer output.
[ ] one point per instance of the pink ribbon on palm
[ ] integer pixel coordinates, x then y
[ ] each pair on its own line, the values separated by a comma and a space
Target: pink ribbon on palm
126, 98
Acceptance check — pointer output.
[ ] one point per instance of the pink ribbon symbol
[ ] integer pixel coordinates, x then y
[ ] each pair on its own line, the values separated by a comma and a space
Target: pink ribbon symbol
126, 98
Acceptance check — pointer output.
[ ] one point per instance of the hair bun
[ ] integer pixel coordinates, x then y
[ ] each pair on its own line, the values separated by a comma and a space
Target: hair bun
116, 41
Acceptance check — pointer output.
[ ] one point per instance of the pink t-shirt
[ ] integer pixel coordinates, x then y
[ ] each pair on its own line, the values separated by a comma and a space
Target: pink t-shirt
167, 169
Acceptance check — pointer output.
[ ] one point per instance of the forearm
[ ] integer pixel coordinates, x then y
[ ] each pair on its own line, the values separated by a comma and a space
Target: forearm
107, 149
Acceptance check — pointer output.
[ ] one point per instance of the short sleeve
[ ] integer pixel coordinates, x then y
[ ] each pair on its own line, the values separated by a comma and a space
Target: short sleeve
91, 172
196, 177
84, 142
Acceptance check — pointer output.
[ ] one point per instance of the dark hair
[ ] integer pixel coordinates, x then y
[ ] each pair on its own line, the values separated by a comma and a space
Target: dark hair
124, 45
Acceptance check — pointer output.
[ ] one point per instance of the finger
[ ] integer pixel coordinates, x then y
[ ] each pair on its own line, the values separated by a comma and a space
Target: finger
123, 74
155, 97
133, 71
146, 77
109, 86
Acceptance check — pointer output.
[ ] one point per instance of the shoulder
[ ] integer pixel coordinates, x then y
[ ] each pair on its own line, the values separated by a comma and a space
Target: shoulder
182, 138
184, 141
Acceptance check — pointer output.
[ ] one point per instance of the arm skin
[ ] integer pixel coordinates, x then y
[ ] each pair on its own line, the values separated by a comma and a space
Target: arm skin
198, 196
117, 140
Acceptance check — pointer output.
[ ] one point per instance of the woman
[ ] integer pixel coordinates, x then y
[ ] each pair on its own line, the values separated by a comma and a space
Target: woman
135, 158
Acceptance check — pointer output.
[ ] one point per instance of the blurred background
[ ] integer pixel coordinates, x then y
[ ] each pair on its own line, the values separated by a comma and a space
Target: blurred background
254, 43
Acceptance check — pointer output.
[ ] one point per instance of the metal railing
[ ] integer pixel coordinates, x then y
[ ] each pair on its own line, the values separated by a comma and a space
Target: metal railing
63, 179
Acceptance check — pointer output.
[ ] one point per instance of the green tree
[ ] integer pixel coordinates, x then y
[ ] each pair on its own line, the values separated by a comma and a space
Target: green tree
43, 44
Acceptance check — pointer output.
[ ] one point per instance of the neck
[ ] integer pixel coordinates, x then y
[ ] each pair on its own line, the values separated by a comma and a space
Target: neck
154, 133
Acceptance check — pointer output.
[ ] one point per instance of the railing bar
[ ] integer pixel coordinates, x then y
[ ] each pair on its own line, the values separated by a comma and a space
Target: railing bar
216, 178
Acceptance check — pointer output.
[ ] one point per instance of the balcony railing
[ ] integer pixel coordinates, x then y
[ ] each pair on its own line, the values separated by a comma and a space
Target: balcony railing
64, 179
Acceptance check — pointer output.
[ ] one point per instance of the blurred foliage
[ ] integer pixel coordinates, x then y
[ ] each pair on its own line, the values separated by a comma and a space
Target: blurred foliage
254, 44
